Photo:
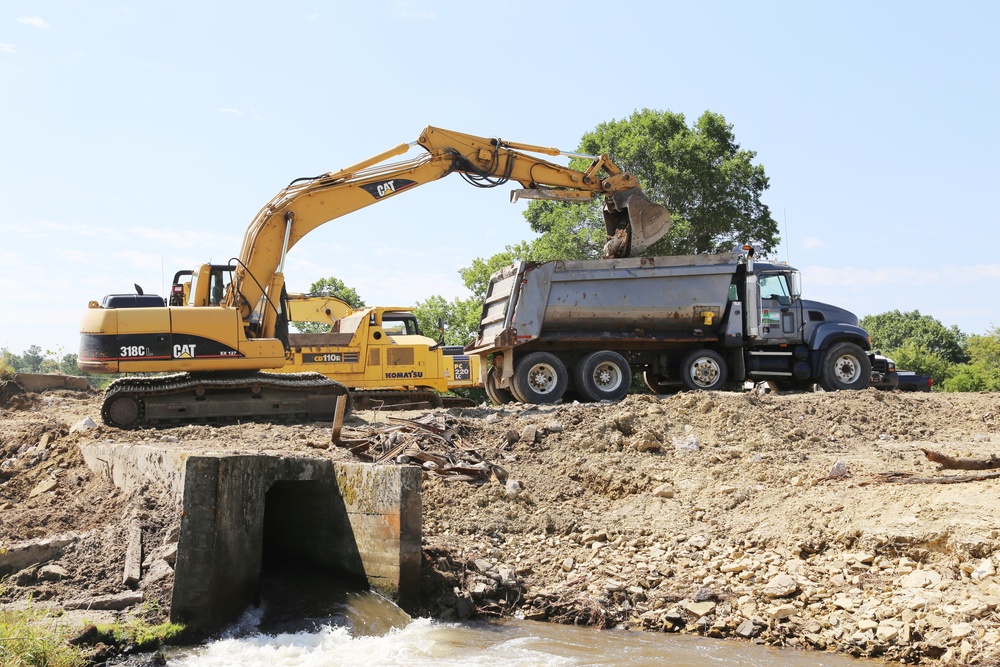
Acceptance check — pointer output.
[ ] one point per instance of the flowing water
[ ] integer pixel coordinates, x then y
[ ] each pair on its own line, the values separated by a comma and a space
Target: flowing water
358, 628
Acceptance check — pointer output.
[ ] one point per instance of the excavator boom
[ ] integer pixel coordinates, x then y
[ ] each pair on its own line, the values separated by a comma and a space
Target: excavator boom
633, 221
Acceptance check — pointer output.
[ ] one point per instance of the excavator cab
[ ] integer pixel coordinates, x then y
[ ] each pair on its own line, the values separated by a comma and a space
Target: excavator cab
206, 285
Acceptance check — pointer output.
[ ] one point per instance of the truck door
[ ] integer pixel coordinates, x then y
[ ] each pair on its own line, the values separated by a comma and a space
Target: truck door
781, 320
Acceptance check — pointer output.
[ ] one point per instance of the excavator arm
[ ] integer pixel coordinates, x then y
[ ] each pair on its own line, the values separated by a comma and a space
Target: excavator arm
633, 221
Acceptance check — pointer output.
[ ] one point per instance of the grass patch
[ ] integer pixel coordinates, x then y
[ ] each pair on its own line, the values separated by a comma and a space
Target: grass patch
34, 638
139, 636
38, 637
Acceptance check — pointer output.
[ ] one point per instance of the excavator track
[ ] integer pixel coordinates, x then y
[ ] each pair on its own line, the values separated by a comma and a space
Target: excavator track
137, 402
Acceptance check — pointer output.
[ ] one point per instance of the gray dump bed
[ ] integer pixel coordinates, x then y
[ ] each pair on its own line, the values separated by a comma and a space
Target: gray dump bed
528, 301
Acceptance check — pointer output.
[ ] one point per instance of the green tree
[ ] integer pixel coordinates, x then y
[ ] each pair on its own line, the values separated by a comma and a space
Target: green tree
477, 276
459, 316
334, 287
892, 330
708, 183
985, 349
7, 368
67, 364
982, 373
31, 360
912, 357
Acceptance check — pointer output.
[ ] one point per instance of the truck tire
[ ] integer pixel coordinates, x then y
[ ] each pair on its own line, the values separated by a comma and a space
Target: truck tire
704, 370
497, 395
540, 377
602, 376
845, 366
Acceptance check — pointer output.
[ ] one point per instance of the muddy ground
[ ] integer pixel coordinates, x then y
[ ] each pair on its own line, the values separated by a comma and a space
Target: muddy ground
786, 519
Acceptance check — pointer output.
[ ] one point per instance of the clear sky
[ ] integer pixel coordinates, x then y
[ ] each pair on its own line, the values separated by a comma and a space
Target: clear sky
140, 138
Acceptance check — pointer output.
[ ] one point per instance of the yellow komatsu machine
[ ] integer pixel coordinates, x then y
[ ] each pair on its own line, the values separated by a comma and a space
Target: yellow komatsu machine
215, 343
379, 353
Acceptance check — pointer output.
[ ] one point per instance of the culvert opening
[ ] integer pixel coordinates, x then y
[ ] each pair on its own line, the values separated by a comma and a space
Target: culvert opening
310, 566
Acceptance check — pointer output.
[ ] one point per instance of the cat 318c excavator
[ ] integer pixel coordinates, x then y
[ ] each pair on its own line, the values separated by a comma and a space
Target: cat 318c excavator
217, 343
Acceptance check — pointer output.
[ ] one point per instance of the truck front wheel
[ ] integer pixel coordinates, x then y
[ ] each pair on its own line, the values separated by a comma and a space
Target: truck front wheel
704, 370
603, 376
540, 378
846, 366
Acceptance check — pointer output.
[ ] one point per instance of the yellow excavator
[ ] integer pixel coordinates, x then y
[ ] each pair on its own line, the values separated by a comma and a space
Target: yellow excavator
380, 354
215, 342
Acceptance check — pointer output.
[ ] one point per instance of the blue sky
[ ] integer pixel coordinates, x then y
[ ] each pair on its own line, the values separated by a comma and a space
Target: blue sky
141, 138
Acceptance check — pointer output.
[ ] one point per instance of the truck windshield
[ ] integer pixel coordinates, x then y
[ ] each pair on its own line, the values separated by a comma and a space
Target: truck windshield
775, 286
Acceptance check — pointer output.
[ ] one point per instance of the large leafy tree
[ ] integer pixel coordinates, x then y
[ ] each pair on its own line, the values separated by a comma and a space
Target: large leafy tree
477, 276
894, 330
335, 287
709, 184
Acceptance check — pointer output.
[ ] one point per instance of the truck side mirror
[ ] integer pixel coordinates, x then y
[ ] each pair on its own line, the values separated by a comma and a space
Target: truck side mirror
795, 278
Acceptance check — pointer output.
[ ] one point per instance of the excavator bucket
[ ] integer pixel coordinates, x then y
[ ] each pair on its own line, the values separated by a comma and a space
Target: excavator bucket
633, 223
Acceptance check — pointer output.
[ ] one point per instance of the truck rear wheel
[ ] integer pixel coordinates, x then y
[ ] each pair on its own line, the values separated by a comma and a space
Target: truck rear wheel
540, 378
704, 370
498, 395
846, 366
602, 376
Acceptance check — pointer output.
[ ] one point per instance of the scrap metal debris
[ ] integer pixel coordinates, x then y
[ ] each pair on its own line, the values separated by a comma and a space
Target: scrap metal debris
433, 441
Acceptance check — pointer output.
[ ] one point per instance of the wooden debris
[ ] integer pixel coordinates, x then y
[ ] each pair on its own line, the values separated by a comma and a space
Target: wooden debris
434, 441
338, 417
133, 554
946, 462
908, 478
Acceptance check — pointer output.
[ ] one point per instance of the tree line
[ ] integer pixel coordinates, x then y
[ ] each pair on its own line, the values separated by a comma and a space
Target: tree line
35, 360
921, 343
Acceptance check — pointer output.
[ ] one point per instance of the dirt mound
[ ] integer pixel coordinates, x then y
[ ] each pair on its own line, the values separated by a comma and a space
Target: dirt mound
660, 512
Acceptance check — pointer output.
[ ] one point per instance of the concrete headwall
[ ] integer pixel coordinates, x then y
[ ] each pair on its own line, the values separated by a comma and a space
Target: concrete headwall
38, 382
357, 520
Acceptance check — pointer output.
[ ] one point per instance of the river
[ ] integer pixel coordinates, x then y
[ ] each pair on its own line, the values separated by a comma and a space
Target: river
365, 630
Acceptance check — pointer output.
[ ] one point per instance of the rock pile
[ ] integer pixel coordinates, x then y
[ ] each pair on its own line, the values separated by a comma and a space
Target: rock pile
859, 602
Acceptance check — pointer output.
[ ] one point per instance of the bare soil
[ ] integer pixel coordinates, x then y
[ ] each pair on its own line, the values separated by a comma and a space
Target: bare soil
758, 516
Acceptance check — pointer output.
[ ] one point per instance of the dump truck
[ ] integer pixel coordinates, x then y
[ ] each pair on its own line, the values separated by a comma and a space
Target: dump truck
698, 322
